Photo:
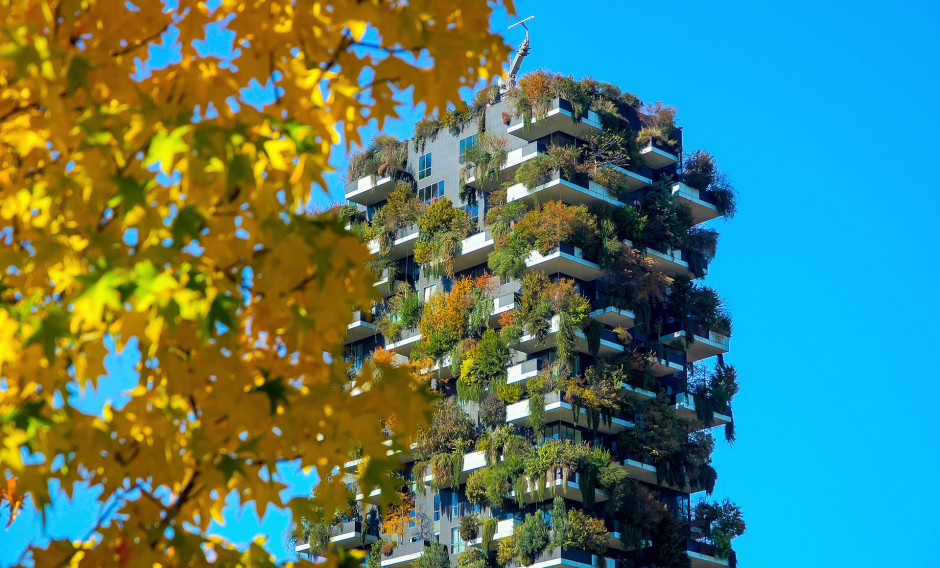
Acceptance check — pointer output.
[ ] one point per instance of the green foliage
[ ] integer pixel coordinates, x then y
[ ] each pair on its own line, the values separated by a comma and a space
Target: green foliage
560, 523
537, 414
485, 159
404, 312
586, 533
435, 556
489, 486
385, 156
532, 538
469, 527
402, 210
535, 172
451, 430
700, 245
668, 543
471, 558
492, 411
667, 221
375, 556
487, 532
442, 227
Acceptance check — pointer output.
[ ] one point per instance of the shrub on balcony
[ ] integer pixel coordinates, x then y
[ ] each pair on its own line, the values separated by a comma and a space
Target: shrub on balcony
532, 538
492, 411
469, 527
586, 533
533, 173
598, 391
698, 305
667, 221
483, 160
483, 366
403, 312
506, 550
699, 170
446, 320
720, 522
450, 430
713, 392
700, 245
472, 558
487, 532
385, 156
442, 227
659, 121
435, 556
489, 486
402, 210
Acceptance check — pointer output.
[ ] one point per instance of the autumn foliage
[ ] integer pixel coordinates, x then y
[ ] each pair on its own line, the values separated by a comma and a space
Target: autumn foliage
152, 204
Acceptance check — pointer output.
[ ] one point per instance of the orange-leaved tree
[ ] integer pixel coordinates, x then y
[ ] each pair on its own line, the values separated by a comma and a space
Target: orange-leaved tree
149, 204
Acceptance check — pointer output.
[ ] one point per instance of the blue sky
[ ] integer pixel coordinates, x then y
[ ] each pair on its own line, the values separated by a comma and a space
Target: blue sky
820, 113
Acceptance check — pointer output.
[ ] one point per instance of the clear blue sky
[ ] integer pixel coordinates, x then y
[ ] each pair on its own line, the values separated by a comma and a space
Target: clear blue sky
820, 113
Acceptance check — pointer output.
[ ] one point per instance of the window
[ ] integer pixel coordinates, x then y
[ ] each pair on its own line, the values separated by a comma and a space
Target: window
411, 521
455, 504
424, 166
467, 143
429, 291
432, 192
458, 543
473, 210
560, 432
437, 507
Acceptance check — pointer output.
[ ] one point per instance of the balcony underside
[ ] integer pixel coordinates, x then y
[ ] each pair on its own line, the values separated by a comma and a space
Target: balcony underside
705, 561
530, 344
369, 190
564, 263
359, 330
614, 317
405, 345
474, 250
702, 211
557, 120
401, 247
701, 347
518, 413
559, 189
656, 158
686, 409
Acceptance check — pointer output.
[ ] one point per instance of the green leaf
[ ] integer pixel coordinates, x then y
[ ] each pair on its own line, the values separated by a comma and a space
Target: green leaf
51, 328
131, 192
276, 390
188, 223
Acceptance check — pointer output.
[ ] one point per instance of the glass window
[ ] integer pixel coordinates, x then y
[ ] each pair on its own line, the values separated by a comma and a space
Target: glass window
424, 166
473, 210
467, 143
458, 544
432, 192
437, 507
455, 504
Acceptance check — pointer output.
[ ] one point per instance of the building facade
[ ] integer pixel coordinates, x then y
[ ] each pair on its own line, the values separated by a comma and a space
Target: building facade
565, 229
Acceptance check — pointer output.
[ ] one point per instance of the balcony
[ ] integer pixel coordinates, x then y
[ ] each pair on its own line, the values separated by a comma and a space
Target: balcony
557, 409
609, 344
659, 155
613, 316
571, 558
522, 371
577, 190
406, 342
705, 342
685, 409
405, 554
557, 486
671, 262
517, 157
402, 246
558, 119
702, 555
635, 180
373, 189
360, 328
701, 210
668, 364
474, 250
471, 462
504, 529
566, 259
352, 534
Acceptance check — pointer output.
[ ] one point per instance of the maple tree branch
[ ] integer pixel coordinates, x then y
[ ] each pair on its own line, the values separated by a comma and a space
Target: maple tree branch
171, 513
141, 43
